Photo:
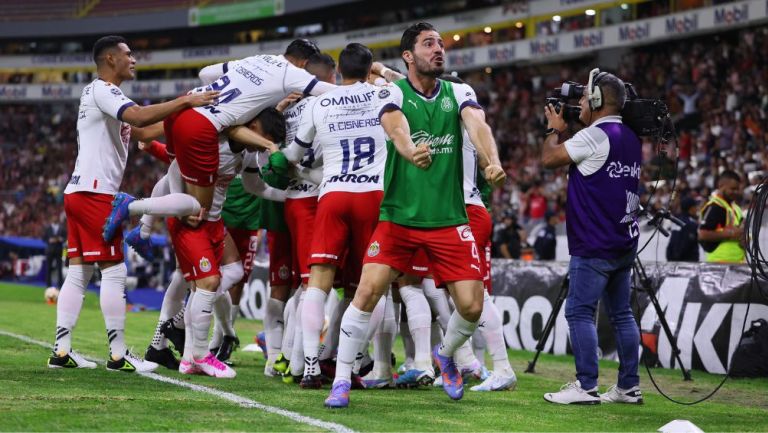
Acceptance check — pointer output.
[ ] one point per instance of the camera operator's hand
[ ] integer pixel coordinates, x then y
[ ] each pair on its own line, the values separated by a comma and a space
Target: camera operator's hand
554, 119
495, 175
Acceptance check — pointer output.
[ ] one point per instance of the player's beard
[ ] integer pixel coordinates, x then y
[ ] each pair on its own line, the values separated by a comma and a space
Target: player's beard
423, 67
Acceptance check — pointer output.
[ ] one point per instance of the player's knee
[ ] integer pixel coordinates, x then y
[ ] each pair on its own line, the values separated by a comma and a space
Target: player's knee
471, 311
209, 284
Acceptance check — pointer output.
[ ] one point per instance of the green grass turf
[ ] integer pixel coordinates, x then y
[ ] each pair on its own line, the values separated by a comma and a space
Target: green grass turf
34, 398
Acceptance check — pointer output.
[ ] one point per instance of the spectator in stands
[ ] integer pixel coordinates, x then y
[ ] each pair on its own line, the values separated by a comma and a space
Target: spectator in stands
720, 232
683, 243
545, 244
509, 239
54, 236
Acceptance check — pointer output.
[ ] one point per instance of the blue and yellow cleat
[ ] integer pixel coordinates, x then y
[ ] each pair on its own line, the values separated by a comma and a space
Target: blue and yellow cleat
415, 378
118, 214
339, 397
261, 341
143, 247
453, 384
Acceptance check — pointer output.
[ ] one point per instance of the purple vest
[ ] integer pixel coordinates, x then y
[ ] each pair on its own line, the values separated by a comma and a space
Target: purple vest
601, 210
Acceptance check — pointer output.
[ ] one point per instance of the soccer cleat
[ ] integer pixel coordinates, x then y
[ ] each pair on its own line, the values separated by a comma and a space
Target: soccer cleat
453, 384
213, 367
186, 367
164, 357
339, 397
311, 382
261, 341
619, 395
174, 334
228, 345
281, 364
327, 369
143, 247
118, 214
69, 360
414, 378
130, 363
572, 393
496, 382
471, 371
407, 365
371, 382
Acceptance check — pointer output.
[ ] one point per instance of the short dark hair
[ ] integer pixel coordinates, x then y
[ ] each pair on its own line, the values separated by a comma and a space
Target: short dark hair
408, 40
613, 91
106, 43
302, 49
728, 174
272, 123
320, 62
355, 61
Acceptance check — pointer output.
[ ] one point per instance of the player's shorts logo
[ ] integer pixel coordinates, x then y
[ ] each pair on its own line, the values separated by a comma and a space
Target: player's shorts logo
205, 264
383, 93
283, 272
374, 249
465, 233
446, 104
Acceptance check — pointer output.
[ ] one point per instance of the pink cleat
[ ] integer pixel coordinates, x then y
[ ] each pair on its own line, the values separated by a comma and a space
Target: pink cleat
186, 367
213, 367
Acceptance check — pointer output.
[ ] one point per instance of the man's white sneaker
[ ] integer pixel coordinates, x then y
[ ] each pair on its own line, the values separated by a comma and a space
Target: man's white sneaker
496, 382
572, 393
618, 395
215, 368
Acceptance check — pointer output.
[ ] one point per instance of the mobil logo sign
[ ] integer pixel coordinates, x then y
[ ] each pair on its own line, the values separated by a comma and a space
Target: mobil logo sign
682, 24
732, 15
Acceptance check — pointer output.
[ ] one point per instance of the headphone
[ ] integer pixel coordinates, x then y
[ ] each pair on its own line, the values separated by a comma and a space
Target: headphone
594, 94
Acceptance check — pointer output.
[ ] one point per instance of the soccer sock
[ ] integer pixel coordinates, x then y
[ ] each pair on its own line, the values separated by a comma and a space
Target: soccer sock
436, 336
177, 205
354, 327
419, 319
494, 336
382, 342
312, 318
231, 273
438, 302
273, 327
478, 344
289, 327
405, 333
297, 354
69, 304
201, 311
331, 341
112, 300
458, 332
145, 228
173, 303
160, 189
222, 308
189, 336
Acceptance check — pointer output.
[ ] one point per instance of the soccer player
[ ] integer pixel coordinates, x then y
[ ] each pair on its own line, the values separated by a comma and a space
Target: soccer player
106, 122
423, 204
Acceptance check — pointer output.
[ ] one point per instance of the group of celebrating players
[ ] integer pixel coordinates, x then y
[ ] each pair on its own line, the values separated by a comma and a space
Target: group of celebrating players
378, 189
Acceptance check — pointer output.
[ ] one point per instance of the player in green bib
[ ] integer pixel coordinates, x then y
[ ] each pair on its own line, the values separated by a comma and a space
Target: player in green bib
423, 205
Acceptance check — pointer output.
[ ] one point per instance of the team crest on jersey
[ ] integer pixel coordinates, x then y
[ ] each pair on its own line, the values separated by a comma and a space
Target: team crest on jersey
446, 104
115, 91
374, 249
283, 272
205, 264
465, 233
383, 93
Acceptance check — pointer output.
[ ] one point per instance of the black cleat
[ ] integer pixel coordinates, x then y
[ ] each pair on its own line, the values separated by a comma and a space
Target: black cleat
174, 334
228, 345
164, 357
311, 382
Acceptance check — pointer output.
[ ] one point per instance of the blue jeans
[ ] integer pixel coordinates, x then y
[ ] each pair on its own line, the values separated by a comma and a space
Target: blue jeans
609, 279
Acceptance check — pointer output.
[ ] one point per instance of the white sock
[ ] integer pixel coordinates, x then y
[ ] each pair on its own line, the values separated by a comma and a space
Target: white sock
173, 303
438, 302
478, 344
436, 335
493, 333
289, 324
312, 319
408, 346
331, 342
112, 300
222, 309
189, 336
457, 334
69, 304
231, 274
354, 327
297, 354
160, 189
419, 323
201, 311
382, 342
177, 205
273, 327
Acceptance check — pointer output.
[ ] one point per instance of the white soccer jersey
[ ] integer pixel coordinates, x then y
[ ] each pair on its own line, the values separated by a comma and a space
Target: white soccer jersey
301, 188
345, 125
252, 84
230, 165
102, 139
471, 171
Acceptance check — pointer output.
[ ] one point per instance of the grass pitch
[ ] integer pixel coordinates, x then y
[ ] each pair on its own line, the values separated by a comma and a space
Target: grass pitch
35, 398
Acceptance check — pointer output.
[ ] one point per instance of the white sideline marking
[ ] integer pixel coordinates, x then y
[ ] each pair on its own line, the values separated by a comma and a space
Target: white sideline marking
234, 398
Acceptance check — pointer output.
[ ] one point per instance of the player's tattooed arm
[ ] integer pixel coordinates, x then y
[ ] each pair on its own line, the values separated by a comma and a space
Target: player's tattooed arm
481, 136
396, 126
390, 75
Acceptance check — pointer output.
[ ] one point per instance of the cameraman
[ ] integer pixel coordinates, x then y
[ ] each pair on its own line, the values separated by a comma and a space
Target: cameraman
601, 221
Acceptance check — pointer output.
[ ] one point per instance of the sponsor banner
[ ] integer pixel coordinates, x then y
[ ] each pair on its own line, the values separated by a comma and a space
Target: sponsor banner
704, 304
136, 90
244, 11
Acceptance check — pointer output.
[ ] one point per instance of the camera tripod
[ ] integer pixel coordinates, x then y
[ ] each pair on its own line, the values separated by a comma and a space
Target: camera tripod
641, 283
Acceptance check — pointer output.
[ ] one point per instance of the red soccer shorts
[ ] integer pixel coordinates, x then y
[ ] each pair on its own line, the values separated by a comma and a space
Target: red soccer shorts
419, 264
345, 221
86, 213
451, 251
199, 249
300, 217
482, 228
247, 243
195, 142
279, 244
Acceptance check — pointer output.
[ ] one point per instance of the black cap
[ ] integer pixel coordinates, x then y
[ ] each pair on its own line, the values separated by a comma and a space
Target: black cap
687, 203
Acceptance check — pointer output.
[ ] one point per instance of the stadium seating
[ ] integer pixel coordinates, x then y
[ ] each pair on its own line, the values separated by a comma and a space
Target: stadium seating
38, 10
